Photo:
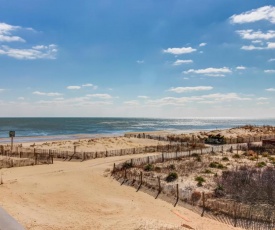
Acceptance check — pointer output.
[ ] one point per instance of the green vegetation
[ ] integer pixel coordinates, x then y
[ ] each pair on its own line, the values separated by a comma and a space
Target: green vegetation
261, 164
172, 177
149, 167
200, 180
216, 165
127, 165
225, 159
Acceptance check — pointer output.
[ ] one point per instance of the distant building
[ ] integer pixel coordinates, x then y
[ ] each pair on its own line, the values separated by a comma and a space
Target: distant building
268, 142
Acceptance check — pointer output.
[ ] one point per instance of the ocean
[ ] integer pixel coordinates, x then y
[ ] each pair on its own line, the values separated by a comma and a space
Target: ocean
31, 129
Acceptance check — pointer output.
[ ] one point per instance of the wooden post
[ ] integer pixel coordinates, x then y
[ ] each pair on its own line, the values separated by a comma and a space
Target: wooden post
20, 154
35, 156
84, 156
95, 154
148, 160
74, 149
177, 195
114, 168
52, 158
125, 174
203, 204
106, 153
235, 214
159, 184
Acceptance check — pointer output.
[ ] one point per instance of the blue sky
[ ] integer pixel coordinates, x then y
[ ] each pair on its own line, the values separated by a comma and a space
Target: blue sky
178, 58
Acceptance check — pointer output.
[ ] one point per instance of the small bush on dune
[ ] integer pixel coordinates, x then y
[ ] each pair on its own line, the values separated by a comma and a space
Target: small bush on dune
148, 167
261, 164
172, 177
200, 180
225, 159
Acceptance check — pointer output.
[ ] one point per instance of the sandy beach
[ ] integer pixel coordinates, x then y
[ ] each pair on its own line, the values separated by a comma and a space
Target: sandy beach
83, 195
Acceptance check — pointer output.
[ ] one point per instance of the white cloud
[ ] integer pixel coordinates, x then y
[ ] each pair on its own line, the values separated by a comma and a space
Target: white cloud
186, 78
270, 45
140, 61
251, 34
49, 52
190, 89
262, 98
1, 90
73, 87
210, 71
270, 71
270, 89
252, 47
240, 67
262, 13
143, 97
180, 62
131, 103
6, 33
177, 51
21, 98
206, 99
272, 59
46, 94
203, 44
257, 41
90, 85
101, 96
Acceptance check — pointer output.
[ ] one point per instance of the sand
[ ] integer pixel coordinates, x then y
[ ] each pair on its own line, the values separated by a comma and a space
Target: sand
83, 195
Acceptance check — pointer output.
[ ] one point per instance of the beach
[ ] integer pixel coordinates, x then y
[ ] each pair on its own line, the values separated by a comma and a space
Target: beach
84, 195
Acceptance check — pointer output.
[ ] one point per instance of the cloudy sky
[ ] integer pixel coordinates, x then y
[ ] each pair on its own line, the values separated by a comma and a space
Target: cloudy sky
137, 58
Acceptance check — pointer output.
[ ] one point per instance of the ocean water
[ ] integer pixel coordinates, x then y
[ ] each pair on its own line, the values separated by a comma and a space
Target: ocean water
61, 128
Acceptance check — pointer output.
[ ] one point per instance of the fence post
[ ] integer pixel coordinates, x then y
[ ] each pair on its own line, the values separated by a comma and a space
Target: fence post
177, 195
203, 204
35, 156
125, 174
159, 189
106, 153
84, 156
52, 158
148, 160
114, 168
235, 214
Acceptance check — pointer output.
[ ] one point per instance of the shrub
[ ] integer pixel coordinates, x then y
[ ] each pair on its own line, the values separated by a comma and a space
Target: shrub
200, 180
173, 167
225, 159
148, 167
213, 164
216, 165
265, 154
207, 171
127, 165
236, 156
172, 177
157, 169
261, 164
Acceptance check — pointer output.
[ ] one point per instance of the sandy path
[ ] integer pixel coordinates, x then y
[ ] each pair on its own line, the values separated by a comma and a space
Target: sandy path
79, 195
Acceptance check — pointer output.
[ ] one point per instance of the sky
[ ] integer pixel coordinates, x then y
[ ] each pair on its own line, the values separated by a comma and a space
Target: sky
137, 58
